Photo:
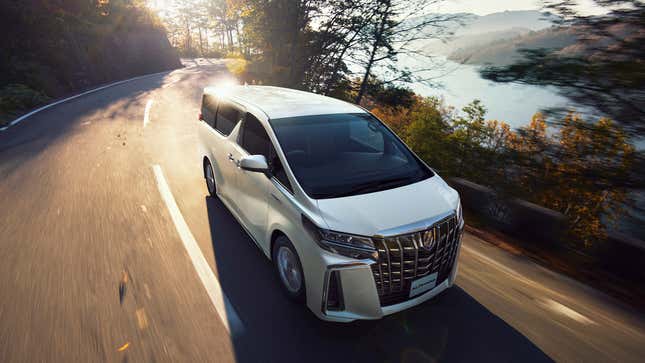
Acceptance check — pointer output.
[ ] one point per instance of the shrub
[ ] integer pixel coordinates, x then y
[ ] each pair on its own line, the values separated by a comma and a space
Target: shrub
16, 97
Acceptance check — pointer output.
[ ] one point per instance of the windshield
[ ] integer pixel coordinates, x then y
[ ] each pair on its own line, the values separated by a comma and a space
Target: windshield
339, 155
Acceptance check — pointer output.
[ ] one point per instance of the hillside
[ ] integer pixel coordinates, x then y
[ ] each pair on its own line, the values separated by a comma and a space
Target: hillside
53, 48
472, 30
506, 51
495, 22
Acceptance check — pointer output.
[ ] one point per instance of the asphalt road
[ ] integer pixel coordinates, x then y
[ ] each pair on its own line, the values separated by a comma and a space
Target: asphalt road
93, 269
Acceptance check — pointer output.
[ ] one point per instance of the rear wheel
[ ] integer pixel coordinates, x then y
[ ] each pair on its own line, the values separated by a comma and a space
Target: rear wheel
209, 175
289, 269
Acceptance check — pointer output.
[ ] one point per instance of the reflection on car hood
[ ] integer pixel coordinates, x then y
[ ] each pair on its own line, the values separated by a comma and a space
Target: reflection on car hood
374, 213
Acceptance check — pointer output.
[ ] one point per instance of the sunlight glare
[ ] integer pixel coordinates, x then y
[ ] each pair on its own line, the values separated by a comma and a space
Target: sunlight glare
222, 86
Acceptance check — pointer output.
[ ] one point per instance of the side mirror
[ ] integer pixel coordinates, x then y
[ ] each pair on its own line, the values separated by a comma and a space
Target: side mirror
256, 163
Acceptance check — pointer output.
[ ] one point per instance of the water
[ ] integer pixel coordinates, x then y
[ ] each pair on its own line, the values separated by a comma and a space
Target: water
512, 103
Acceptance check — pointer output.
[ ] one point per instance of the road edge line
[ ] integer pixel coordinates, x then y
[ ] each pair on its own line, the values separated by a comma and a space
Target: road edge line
146, 112
31, 113
222, 305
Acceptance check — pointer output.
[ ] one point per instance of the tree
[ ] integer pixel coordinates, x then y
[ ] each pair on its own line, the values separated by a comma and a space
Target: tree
583, 170
395, 28
279, 33
342, 23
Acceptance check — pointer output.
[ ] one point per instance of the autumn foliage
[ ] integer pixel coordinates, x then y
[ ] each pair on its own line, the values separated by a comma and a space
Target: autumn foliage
581, 169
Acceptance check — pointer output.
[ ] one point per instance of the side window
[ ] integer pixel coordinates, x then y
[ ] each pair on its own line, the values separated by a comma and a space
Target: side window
227, 118
209, 109
278, 170
254, 138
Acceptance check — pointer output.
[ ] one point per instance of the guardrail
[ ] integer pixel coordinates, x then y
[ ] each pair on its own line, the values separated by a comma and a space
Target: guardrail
545, 228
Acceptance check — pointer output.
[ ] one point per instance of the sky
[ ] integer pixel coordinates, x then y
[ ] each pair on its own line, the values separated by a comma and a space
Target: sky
484, 7
479, 7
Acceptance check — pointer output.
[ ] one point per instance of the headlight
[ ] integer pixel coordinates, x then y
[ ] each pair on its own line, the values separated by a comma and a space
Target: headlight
460, 216
348, 245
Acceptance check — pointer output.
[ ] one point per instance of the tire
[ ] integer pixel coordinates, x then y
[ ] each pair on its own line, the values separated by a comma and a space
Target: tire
210, 183
289, 270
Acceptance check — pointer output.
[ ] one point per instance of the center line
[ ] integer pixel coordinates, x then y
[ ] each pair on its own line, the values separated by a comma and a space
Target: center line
566, 311
222, 305
146, 113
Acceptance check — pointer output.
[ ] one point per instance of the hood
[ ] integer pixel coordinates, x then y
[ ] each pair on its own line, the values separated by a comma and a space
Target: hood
375, 213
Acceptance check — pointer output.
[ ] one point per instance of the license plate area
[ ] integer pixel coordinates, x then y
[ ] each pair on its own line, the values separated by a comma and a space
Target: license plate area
424, 284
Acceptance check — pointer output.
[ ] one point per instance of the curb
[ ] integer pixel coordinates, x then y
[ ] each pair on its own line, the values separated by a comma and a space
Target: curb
31, 113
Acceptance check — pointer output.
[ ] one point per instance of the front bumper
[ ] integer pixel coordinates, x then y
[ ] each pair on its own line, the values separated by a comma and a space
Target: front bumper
358, 290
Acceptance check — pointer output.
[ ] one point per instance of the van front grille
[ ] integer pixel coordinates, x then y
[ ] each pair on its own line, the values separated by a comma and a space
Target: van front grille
406, 257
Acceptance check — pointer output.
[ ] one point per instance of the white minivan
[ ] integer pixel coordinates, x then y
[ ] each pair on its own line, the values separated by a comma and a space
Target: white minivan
357, 226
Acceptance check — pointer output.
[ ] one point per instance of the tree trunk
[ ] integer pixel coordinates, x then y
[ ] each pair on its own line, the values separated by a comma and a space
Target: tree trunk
293, 59
201, 44
237, 35
187, 42
375, 47
229, 32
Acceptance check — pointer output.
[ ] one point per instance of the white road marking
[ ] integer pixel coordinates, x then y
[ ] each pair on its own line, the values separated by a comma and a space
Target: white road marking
221, 303
146, 113
170, 82
492, 262
566, 311
545, 302
142, 319
25, 116
147, 289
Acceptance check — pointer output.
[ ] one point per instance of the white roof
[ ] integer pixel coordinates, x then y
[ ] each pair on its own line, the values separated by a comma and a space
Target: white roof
279, 102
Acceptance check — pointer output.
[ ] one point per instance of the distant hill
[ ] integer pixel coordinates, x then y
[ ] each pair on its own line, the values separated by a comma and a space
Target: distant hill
497, 22
505, 51
472, 30
53, 48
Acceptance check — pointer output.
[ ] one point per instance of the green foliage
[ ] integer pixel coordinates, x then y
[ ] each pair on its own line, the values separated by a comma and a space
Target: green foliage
52, 48
15, 98
19, 97
390, 95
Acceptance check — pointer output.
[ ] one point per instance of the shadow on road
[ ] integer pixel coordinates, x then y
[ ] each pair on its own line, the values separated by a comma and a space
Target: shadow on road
34, 135
451, 327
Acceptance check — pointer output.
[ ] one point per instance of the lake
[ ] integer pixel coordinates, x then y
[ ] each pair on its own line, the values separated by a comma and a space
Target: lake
514, 104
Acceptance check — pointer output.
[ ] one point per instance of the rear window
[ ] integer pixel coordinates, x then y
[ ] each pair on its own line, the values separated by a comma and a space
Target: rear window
209, 109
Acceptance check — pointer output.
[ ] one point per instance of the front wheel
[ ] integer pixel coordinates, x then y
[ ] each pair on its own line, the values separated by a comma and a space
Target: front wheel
289, 269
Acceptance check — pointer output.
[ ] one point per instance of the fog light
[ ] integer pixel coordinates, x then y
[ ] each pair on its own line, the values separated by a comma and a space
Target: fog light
335, 293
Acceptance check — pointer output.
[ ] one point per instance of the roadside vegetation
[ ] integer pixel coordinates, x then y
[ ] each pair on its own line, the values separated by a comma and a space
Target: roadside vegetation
578, 168
53, 48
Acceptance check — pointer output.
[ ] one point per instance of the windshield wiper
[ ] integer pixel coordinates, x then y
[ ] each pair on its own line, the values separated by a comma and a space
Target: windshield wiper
373, 186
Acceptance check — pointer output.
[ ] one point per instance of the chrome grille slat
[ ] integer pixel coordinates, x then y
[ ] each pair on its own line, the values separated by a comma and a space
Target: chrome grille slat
389, 266
380, 274
416, 251
403, 258
398, 242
